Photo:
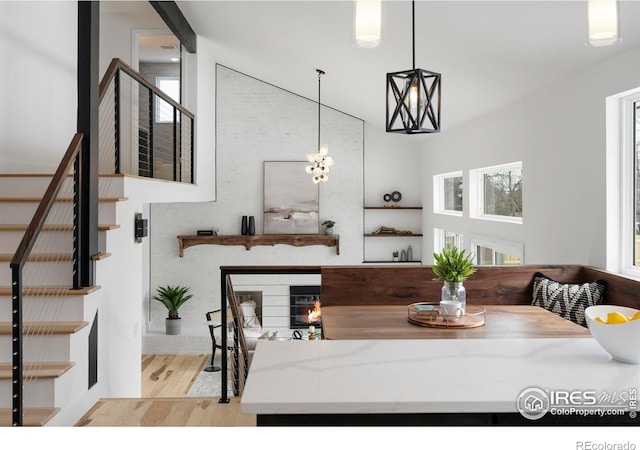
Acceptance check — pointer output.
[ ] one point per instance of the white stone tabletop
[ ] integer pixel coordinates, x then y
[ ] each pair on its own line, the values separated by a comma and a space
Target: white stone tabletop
423, 376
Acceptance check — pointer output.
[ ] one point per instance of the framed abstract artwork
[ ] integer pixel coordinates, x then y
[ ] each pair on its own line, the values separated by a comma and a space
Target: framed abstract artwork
291, 199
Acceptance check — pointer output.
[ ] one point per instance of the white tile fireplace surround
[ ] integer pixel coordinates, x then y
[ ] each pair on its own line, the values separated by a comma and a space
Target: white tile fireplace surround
302, 382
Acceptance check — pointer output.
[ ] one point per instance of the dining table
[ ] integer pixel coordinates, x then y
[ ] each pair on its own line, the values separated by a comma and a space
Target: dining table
392, 322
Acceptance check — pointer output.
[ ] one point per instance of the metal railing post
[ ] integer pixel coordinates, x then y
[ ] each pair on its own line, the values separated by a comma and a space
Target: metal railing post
151, 132
224, 398
192, 143
16, 356
116, 121
175, 144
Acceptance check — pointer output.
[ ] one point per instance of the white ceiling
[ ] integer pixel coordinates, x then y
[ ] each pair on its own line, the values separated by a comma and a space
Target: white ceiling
159, 49
488, 52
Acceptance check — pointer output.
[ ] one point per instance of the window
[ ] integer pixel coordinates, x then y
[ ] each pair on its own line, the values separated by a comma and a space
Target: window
443, 239
623, 183
497, 193
635, 125
486, 256
171, 87
447, 190
496, 252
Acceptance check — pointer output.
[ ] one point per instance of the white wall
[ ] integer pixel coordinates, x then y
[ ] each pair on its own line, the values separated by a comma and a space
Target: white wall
37, 84
391, 164
256, 122
558, 132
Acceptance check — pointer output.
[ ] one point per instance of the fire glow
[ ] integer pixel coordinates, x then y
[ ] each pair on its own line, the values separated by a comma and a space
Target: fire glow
314, 315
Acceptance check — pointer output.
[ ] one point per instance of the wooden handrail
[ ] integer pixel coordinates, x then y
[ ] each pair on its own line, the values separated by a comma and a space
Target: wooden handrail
117, 64
37, 222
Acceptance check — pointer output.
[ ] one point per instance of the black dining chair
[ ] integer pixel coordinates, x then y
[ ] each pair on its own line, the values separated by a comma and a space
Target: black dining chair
214, 321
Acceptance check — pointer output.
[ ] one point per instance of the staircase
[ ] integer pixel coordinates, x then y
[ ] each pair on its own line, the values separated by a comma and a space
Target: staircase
52, 372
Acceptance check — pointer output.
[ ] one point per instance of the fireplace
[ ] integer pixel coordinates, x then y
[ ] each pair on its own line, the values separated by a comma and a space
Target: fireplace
304, 306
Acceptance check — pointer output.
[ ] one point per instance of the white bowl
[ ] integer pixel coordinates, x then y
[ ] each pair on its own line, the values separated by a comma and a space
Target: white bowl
621, 341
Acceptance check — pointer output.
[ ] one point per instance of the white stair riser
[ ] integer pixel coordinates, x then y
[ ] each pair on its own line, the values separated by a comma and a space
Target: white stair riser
61, 212
36, 186
62, 241
39, 348
37, 392
41, 274
47, 392
63, 308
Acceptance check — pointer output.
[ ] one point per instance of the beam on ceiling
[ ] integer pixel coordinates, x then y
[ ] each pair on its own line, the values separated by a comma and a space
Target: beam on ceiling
177, 23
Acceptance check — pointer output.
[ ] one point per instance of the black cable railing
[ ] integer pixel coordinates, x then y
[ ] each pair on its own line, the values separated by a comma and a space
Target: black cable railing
154, 141
240, 363
151, 132
20, 259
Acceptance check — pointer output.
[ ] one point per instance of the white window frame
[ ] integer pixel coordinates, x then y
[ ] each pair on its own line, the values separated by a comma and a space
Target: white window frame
438, 194
476, 197
498, 246
440, 238
626, 237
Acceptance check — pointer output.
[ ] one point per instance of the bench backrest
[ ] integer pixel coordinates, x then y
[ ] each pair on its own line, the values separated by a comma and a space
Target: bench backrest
490, 285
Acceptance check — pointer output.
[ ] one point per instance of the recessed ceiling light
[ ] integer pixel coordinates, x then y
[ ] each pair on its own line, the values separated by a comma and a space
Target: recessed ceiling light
175, 59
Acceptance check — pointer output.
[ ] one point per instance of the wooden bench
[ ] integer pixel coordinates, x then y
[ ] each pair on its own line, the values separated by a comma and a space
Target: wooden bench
490, 285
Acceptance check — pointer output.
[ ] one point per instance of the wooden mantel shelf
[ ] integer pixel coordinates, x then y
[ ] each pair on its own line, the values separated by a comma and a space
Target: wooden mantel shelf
297, 240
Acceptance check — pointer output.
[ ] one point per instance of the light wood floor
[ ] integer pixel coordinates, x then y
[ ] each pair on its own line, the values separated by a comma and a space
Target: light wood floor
166, 380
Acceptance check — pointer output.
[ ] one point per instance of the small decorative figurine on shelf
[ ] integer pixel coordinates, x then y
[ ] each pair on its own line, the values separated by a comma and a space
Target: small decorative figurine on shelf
395, 197
328, 226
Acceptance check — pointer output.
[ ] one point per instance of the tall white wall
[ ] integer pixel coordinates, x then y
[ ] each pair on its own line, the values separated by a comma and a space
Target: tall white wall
558, 132
256, 122
37, 84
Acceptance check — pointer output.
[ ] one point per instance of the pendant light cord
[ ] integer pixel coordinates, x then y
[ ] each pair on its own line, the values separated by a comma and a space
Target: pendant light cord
320, 73
413, 31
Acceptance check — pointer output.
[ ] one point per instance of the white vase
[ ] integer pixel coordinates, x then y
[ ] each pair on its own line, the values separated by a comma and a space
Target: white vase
328, 231
454, 292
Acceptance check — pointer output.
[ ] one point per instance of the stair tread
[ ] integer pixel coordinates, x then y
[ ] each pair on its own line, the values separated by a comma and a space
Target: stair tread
53, 227
50, 290
52, 257
32, 417
45, 369
63, 199
48, 328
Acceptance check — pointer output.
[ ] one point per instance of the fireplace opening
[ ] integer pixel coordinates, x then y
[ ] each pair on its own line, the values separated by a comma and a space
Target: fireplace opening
304, 306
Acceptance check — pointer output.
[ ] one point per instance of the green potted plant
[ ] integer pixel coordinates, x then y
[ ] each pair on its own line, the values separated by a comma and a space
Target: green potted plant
172, 297
453, 266
328, 226
395, 256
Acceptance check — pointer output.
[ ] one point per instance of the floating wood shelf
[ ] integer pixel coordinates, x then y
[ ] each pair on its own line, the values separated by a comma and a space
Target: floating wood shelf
248, 241
393, 208
393, 235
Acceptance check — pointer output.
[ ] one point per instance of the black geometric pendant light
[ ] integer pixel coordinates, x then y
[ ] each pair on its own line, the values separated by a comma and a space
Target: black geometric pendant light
413, 97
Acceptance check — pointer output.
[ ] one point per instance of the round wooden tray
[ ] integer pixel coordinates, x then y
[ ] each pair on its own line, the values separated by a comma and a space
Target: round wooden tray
474, 316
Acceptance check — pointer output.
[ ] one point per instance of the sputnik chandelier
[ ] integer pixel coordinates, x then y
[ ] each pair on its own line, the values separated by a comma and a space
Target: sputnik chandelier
320, 161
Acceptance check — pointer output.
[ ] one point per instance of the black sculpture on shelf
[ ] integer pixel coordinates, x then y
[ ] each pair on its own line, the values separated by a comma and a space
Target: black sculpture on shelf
395, 197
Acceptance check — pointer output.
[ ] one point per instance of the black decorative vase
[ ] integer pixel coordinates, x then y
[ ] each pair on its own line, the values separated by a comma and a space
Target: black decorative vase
244, 227
252, 225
